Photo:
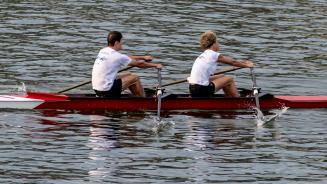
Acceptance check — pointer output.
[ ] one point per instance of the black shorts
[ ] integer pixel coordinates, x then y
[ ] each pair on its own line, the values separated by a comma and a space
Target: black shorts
197, 90
115, 90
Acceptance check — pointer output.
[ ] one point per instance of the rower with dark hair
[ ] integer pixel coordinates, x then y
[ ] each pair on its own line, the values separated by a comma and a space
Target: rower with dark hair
202, 82
106, 82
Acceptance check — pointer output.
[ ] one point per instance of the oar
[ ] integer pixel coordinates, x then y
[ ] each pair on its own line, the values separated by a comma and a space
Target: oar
259, 114
159, 94
89, 81
217, 73
255, 89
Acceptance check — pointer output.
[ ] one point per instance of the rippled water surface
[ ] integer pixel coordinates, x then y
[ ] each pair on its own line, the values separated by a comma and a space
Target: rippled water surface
50, 45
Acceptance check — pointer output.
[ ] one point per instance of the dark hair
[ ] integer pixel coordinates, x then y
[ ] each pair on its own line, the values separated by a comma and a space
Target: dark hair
114, 36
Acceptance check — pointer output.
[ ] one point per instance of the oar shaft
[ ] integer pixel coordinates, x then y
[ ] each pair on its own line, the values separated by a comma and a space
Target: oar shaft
159, 94
89, 81
253, 78
217, 73
73, 87
255, 89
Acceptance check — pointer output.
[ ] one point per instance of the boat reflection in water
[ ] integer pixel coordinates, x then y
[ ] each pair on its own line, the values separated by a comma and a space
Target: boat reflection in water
115, 141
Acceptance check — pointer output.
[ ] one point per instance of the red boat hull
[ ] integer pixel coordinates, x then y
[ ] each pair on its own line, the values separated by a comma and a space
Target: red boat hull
176, 102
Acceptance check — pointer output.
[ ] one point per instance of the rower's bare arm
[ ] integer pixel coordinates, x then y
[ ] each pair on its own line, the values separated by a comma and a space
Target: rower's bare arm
144, 58
143, 64
234, 62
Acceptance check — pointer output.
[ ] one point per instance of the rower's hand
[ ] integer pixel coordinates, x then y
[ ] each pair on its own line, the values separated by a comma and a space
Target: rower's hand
248, 64
159, 66
148, 58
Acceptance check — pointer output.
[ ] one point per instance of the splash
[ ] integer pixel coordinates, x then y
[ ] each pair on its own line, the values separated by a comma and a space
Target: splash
20, 89
161, 125
261, 119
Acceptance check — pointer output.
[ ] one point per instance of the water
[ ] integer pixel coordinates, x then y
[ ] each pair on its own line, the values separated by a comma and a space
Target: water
50, 45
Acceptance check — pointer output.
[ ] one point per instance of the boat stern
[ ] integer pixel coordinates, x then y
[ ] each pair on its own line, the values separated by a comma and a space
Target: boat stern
18, 102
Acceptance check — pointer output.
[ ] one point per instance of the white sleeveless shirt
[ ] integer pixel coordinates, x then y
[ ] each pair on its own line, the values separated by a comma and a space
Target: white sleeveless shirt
106, 67
204, 66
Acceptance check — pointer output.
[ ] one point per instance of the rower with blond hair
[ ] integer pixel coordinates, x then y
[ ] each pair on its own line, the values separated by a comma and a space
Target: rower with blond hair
202, 82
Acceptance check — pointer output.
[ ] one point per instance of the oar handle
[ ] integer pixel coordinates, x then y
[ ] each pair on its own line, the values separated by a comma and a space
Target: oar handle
89, 81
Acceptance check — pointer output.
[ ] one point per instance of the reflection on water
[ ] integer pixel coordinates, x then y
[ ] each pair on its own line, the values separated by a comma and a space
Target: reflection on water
50, 45
116, 146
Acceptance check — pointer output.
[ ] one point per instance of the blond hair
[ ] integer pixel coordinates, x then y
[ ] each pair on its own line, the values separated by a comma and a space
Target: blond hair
207, 39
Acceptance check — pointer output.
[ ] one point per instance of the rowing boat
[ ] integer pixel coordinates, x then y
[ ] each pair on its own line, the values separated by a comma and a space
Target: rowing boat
157, 100
41, 100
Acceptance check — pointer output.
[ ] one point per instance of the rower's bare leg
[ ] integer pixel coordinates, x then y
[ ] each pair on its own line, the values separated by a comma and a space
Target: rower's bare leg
124, 77
123, 74
133, 83
226, 83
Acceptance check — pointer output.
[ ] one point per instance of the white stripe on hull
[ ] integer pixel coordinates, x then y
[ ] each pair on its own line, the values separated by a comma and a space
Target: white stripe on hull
15, 102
